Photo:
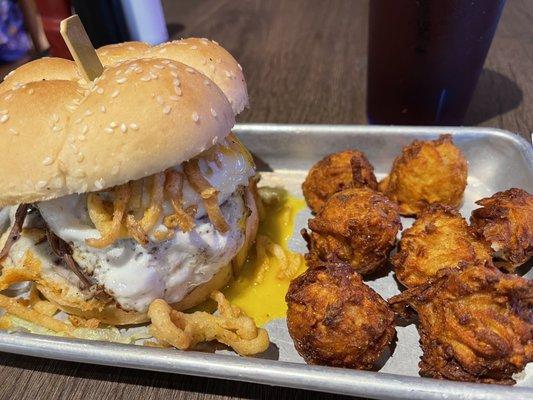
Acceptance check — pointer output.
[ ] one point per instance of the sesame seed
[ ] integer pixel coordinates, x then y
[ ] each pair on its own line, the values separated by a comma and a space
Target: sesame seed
99, 184
215, 42
113, 124
13, 131
55, 117
118, 72
4, 118
212, 67
84, 129
40, 185
123, 127
81, 138
204, 61
80, 157
195, 117
178, 91
48, 161
138, 70
173, 98
218, 60
114, 170
9, 96
165, 61
153, 76
159, 99
108, 130
166, 109
194, 47
189, 70
176, 82
145, 78
10, 74
228, 74
56, 128
158, 66
162, 50
173, 66
31, 91
174, 74
115, 93
121, 80
134, 126
131, 48
88, 112
206, 82
102, 109
239, 65
100, 90
78, 120
213, 112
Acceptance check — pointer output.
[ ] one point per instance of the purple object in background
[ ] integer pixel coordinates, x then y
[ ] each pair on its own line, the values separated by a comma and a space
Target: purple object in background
14, 41
425, 57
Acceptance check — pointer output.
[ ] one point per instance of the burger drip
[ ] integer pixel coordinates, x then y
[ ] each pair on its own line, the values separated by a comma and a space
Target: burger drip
60, 248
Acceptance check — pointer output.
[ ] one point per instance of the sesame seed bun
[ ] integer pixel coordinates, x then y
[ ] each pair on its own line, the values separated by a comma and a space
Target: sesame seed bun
139, 118
42, 69
204, 55
115, 53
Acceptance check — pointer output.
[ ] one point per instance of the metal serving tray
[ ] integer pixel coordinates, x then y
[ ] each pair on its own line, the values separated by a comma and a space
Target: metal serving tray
497, 160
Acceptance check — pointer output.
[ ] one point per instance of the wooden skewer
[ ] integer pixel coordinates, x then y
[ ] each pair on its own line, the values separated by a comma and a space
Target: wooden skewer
80, 47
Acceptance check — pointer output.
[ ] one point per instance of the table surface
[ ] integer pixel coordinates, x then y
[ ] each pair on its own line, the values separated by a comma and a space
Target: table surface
305, 62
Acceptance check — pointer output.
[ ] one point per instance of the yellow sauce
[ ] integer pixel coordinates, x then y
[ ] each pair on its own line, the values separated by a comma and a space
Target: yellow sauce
260, 288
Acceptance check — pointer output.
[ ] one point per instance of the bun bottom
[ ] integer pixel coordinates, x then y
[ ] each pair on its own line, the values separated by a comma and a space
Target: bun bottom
111, 314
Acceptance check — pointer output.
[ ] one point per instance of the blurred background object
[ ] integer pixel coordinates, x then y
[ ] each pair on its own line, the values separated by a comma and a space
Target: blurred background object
51, 13
14, 41
146, 21
103, 20
106, 22
425, 57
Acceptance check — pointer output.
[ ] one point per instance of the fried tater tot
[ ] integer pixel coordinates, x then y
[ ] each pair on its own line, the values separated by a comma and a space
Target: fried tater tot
505, 220
475, 325
439, 239
358, 226
337, 320
427, 172
336, 172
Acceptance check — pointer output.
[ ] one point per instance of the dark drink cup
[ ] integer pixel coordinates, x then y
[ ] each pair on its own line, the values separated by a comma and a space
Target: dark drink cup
425, 57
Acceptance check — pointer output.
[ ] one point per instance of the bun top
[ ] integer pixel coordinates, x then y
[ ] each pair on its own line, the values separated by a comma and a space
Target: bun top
204, 55
61, 135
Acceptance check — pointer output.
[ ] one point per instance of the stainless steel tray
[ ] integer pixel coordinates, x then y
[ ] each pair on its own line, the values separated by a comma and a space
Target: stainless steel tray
497, 160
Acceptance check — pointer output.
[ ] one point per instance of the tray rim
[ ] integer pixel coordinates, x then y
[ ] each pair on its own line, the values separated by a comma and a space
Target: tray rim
272, 372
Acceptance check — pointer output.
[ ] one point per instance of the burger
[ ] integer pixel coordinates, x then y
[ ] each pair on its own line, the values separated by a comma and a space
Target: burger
129, 188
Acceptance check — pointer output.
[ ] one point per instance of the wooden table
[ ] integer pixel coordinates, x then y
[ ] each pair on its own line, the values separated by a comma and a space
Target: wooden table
305, 62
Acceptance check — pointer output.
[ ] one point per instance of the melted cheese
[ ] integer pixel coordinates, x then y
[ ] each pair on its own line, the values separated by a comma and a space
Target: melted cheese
135, 275
264, 299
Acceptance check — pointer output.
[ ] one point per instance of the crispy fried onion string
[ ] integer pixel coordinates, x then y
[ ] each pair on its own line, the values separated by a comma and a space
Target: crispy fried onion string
266, 250
121, 224
16, 229
183, 219
110, 230
208, 194
17, 308
230, 326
